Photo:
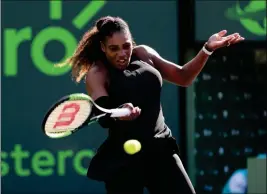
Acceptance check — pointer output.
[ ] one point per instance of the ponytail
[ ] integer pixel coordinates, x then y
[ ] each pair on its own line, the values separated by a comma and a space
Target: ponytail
89, 49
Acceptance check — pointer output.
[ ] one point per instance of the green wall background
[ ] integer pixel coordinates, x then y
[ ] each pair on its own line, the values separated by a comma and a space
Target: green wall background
31, 162
247, 17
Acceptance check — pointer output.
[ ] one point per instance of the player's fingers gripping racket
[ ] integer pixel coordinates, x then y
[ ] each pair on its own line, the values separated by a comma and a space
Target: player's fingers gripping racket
73, 112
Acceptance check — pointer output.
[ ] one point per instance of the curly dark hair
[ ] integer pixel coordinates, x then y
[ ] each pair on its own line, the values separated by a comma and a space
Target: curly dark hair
89, 50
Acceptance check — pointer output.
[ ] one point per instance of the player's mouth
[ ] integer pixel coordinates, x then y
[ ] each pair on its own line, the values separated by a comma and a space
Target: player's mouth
122, 63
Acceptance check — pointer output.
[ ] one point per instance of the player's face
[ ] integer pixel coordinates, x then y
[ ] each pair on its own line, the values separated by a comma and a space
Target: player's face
118, 49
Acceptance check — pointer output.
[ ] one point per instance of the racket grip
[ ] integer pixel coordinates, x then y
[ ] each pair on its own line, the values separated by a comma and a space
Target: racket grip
120, 112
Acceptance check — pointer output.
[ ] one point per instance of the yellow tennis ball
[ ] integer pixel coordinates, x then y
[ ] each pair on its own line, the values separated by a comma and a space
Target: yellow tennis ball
132, 146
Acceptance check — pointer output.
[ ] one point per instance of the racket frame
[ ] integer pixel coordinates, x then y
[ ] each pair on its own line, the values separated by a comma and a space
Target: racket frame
71, 97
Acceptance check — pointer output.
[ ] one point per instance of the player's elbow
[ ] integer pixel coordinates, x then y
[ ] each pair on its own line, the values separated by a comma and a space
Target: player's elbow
186, 83
181, 82
184, 78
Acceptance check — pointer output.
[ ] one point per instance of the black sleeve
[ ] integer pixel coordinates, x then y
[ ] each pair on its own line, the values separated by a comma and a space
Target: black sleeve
106, 121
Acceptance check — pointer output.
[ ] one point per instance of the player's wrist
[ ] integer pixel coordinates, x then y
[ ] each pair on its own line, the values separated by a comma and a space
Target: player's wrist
207, 49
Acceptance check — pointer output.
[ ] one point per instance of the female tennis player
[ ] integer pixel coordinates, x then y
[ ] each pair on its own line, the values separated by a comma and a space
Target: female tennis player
120, 73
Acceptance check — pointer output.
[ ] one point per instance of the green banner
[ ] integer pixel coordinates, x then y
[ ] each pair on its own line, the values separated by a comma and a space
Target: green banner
247, 17
37, 34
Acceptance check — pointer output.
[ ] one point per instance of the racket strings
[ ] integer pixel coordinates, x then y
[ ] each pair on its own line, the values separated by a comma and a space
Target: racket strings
68, 116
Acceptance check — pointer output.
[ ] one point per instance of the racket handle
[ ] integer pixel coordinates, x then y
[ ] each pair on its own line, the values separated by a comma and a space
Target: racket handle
120, 112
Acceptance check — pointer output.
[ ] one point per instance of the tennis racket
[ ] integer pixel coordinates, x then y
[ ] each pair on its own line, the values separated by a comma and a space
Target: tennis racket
73, 112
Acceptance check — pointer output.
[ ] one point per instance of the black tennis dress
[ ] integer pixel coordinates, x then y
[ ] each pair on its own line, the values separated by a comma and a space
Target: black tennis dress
140, 84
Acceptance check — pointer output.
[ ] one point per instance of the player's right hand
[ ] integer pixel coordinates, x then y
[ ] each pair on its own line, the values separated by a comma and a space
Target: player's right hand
135, 112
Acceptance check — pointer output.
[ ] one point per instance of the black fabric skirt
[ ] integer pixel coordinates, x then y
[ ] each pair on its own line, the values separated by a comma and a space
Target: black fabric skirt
110, 157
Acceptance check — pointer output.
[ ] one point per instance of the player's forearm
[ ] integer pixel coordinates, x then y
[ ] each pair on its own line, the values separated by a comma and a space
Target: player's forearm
192, 68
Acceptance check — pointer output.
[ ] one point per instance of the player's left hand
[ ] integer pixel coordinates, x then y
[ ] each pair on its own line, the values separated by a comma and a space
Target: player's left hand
219, 40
